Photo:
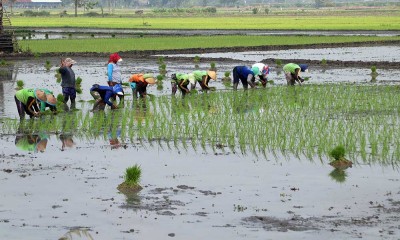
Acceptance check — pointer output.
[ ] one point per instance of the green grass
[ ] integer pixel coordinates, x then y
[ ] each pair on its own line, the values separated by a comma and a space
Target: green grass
385, 22
164, 43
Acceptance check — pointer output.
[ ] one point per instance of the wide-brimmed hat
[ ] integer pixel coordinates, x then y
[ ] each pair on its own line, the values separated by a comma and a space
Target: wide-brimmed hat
69, 61
41, 95
212, 74
51, 100
148, 77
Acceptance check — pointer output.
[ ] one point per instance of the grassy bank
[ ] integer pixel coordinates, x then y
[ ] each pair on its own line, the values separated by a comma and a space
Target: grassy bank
385, 22
166, 43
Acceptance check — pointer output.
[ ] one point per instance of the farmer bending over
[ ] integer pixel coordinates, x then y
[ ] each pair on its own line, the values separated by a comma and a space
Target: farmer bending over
139, 82
50, 102
263, 73
292, 73
181, 81
27, 102
245, 75
203, 78
102, 95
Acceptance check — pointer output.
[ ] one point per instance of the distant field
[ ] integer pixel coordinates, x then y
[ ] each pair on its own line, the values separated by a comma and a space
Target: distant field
213, 22
165, 43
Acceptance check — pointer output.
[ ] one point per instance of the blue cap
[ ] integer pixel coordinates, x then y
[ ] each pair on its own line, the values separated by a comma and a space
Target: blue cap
303, 67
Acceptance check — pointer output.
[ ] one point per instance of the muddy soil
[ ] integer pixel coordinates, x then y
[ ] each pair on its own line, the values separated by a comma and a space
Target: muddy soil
69, 191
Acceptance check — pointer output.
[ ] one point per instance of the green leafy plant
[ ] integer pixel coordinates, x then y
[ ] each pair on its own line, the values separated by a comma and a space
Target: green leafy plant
338, 152
255, 10
47, 65
133, 175
78, 85
196, 59
278, 62
323, 62
213, 66
20, 84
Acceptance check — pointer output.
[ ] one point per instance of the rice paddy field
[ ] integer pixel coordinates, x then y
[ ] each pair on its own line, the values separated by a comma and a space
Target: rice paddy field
353, 22
221, 164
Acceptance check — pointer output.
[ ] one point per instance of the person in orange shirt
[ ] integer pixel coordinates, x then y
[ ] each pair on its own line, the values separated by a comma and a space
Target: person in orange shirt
139, 82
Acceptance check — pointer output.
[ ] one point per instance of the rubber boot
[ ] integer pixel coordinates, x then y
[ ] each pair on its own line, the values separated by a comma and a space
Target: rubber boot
73, 104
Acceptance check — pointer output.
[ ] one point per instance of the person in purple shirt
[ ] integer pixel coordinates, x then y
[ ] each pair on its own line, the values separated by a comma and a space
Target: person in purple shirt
103, 94
245, 75
68, 82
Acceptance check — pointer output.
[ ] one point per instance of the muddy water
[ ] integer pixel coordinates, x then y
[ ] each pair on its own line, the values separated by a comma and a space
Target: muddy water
69, 189
191, 195
93, 70
363, 54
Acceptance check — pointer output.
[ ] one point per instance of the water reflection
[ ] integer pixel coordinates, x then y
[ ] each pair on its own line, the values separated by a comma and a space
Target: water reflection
338, 175
6, 75
66, 141
31, 142
76, 234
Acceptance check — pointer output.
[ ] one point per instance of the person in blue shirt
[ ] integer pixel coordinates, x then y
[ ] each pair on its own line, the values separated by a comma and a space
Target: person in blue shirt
103, 94
245, 75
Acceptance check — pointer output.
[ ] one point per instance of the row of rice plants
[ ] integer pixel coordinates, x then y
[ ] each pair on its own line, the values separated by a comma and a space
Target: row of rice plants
309, 121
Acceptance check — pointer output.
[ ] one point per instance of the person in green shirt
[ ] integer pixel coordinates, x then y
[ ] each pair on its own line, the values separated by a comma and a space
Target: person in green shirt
50, 102
292, 73
27, 102
203, 78
181, 81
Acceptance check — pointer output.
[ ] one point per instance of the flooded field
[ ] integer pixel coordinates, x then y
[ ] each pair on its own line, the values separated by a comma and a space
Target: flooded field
204, 180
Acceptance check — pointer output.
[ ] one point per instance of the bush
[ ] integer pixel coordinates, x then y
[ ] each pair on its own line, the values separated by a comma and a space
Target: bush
210, 10
255, 10
30, 13
92, 14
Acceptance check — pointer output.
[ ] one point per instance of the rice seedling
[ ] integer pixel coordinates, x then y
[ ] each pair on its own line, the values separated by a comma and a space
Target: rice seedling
278, 62
47, 65
162, 68
373, 71
20, 84
78, 85
132, 179
324, 62
213, 66
293, 121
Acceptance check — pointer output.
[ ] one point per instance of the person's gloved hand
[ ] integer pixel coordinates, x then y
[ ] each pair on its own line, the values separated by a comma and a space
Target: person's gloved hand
301, 79
114, 107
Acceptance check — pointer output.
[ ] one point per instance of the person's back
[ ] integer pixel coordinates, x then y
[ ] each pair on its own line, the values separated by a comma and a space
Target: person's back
290, 68
67, 77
